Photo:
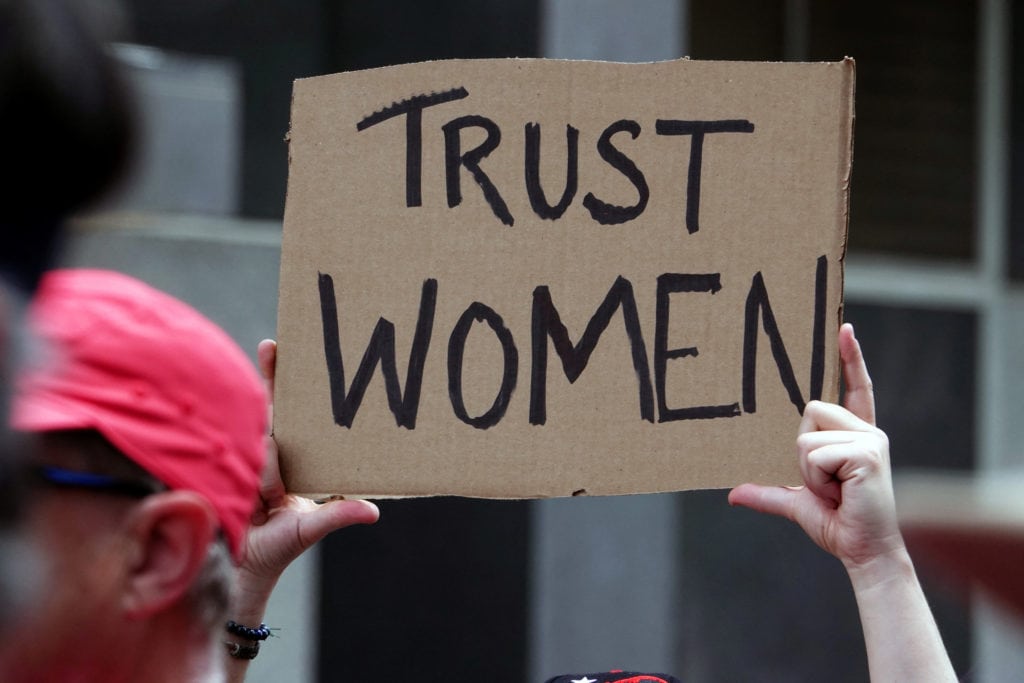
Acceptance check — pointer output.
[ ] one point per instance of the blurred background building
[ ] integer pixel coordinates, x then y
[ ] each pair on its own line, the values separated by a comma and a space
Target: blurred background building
515, 591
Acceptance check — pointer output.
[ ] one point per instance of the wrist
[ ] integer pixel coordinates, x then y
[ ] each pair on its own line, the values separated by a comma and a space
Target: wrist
893, 566
249, 606
252, 591
244, 641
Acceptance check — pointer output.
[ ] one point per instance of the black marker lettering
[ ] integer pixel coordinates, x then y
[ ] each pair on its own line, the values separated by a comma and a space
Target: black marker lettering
818, 344
609, 214
669, 283
454, 159
413, 109
698, 129
381, 348
757, 303
532, 171
546, 322
479, 312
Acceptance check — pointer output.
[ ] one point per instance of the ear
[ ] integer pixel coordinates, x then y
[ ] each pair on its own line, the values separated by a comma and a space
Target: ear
170, 535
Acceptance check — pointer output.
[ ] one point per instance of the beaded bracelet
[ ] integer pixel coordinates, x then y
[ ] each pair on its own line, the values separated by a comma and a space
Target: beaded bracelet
239, 651
248, 632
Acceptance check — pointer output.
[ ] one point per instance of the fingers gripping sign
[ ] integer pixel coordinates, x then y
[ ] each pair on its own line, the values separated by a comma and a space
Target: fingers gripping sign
846, 504
845, 462
283, 527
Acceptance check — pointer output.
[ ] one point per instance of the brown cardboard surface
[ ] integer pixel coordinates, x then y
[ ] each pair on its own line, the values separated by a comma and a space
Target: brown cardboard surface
429, 209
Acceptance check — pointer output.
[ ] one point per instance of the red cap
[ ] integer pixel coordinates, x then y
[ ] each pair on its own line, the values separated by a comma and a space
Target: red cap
161, 382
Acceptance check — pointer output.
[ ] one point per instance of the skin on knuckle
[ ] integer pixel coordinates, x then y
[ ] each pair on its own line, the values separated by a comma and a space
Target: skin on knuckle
814, 457
878, 443
873, 448
814, 407
821, 467
805, 442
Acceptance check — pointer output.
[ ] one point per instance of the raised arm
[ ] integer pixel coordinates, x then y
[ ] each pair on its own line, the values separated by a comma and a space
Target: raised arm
846, 506
283, 528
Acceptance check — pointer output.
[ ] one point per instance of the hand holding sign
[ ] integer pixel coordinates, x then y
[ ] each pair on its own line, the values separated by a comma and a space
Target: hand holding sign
846, 506
283, 527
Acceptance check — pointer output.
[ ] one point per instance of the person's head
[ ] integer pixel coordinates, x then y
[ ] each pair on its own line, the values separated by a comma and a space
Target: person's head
150, 425
69, 135
69, 120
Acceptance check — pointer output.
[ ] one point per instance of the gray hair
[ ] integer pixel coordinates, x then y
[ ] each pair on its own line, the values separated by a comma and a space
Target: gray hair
210, 594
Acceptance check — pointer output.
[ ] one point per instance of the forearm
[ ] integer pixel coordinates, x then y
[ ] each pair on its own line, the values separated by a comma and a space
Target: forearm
902, 639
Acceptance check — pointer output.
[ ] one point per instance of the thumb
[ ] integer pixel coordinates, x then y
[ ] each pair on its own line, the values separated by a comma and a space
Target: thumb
334, 515
772, 500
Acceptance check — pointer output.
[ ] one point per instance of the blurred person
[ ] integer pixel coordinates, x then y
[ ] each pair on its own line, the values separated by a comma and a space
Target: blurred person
70, 122
846, 506
70, 133
149, 424
72, 128
150, 438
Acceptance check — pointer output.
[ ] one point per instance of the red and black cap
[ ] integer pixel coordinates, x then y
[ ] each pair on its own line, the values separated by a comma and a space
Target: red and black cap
160, 381
615, 677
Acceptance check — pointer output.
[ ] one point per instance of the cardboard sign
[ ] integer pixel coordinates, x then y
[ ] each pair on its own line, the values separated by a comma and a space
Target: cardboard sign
532, 278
